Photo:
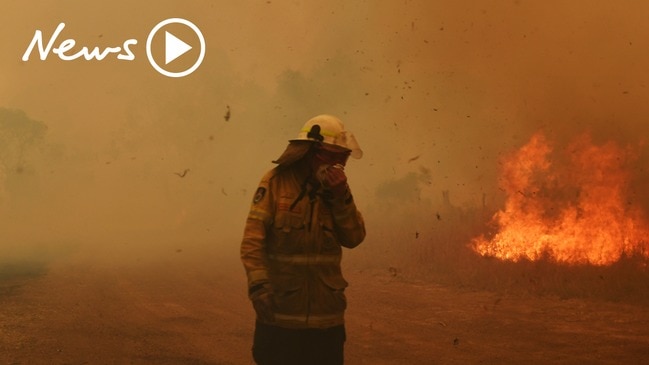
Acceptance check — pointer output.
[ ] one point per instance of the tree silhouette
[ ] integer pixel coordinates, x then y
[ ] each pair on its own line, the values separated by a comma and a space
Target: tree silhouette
19, 134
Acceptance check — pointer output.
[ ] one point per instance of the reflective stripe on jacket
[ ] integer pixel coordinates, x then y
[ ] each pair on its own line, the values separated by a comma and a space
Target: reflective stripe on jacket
296, 248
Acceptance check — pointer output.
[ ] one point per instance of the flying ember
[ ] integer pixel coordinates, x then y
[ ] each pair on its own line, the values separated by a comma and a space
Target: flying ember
572, 206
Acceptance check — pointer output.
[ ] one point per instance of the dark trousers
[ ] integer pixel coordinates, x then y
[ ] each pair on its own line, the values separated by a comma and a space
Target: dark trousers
282, 346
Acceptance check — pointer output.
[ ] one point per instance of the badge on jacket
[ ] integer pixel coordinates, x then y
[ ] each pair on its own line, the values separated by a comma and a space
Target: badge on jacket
259, 195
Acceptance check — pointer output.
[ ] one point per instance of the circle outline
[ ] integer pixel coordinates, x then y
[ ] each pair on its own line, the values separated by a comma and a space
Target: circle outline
155, 65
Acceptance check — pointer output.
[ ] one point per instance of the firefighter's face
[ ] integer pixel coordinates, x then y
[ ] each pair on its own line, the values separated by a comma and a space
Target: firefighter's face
329, 155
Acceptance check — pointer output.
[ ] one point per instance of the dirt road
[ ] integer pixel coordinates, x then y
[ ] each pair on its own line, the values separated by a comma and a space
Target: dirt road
184, 309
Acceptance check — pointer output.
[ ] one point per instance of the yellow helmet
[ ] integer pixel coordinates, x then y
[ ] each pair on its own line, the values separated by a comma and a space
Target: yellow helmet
330, 130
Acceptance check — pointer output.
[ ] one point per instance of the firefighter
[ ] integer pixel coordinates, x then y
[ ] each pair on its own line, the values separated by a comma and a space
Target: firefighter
301, 216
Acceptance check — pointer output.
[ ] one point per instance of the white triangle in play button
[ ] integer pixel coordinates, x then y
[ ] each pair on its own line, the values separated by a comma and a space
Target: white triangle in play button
174, 47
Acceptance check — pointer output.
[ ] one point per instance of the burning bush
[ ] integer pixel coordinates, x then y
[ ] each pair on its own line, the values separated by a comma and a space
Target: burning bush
574, 207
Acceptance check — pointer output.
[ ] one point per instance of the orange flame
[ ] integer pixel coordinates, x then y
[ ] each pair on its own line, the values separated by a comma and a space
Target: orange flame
576, 212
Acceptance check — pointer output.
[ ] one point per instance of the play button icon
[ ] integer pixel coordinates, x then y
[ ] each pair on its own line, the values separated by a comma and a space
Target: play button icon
175, 48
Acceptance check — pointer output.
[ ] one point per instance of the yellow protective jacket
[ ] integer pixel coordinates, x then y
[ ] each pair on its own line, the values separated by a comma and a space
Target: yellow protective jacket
296, 248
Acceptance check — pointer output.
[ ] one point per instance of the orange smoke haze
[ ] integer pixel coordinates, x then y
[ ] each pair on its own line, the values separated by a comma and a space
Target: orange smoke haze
434, 91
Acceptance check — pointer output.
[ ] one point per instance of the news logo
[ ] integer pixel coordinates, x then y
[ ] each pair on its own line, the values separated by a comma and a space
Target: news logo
173, 47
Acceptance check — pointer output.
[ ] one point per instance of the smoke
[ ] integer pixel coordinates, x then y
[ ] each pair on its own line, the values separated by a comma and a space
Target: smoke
434, 91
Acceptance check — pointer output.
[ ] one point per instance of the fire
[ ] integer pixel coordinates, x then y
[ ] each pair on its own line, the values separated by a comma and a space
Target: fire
577, 211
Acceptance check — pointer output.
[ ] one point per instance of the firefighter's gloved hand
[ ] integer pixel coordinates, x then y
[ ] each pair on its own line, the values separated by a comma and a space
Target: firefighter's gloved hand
336, 180
262, 302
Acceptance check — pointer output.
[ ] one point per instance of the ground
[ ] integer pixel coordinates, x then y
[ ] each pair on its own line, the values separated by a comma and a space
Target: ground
192, 309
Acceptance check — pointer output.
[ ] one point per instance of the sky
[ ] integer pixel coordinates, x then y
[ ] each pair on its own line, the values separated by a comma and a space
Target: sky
436, 92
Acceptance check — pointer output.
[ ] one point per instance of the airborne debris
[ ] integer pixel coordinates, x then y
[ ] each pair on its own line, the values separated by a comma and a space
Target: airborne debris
414, 158
182, 174
393, 271
227, 113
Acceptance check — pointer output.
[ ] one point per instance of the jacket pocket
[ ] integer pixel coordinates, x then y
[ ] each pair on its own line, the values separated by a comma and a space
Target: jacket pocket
287, 222
289, 294
333, 298
334, 282
329, 243
288, 230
